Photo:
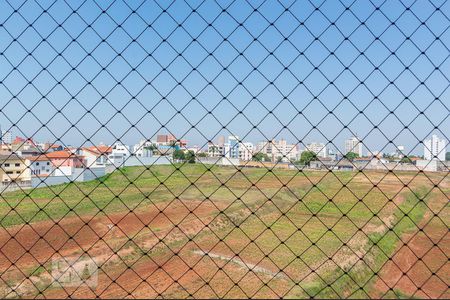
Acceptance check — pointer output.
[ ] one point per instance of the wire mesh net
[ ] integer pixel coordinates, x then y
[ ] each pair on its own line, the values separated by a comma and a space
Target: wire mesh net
224, 149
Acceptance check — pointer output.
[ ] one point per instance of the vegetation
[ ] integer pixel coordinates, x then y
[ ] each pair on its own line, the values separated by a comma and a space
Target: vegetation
406, 160
447, 156
303, 198
307, 157
190, 157
260, 157
351, 156
179, 155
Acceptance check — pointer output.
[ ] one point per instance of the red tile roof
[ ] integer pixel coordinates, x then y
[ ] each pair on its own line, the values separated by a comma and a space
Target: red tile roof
61, 155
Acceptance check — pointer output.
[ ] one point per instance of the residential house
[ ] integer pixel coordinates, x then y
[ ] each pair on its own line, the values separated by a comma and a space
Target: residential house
119, 154
24, 147
40, 165
65, 161
144, 148
14, 169
95, 156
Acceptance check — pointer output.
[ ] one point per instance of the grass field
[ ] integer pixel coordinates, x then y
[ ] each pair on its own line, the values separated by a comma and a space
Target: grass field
179, 231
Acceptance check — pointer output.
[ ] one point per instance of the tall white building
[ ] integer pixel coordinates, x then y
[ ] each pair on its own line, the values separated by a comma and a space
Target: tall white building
6, 137
277, 150
320, 149
435, 148
353, 145
232, 147
245, 151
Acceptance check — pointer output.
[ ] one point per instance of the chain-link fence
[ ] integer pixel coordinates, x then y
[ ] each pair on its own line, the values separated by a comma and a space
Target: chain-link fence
224, 149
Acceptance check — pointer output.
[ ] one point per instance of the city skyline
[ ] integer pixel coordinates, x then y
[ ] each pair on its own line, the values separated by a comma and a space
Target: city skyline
311, 145
324, 81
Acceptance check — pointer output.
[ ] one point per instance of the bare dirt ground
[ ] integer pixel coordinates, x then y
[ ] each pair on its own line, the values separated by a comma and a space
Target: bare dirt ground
188, 249
420, 266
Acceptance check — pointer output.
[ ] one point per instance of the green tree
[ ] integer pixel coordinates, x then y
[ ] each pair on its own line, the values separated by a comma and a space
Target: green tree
406, 160
447, 156
190, 157
179, 155
260, 157
351, 156
202, 154
307, 157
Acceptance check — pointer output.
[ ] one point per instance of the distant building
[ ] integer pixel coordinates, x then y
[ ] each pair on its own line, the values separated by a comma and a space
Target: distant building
65, 159
119, 153
14, 169
354, 145
50, 147
170, 139
6, 137
278, 150
232, 147
95, 156
144, 148
399, 151
40, 165
246, 151
25, 147
435, 148
320, 149
216, 150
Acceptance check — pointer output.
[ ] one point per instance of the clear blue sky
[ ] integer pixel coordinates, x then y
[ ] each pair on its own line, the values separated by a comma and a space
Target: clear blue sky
283, 57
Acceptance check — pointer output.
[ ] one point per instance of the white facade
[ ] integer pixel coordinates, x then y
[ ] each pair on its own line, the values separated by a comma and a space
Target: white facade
320, 149
119, 153
40, 167
354, 145
278, 150
232, 147
216, 150
6, 137
435, 148
92, 158
142, 149
246, 151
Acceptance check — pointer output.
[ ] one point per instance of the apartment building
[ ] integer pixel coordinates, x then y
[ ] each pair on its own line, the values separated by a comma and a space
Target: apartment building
278, 150
354, 145
435, 148
320, 149
169, 139
14, 169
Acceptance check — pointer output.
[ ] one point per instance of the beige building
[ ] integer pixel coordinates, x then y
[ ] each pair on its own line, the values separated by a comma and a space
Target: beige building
278, 150
14, 170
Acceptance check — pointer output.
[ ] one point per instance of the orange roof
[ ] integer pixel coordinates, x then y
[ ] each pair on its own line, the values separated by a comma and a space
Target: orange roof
61, 155
99, 149
38, 158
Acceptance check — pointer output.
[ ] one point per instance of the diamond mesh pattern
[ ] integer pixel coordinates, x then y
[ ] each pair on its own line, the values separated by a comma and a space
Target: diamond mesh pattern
177, 224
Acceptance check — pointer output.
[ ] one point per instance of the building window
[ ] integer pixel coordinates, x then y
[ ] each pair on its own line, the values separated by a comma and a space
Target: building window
37, 164
17, 165
17, 172
9, 172
6, 165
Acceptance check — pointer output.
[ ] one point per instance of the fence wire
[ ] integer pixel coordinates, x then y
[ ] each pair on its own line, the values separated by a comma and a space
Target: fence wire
282, 149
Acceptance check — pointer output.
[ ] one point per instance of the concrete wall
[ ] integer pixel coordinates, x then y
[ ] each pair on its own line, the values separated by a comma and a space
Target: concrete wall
220, 161
78, 175
10, 187
38, 182
134, 161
